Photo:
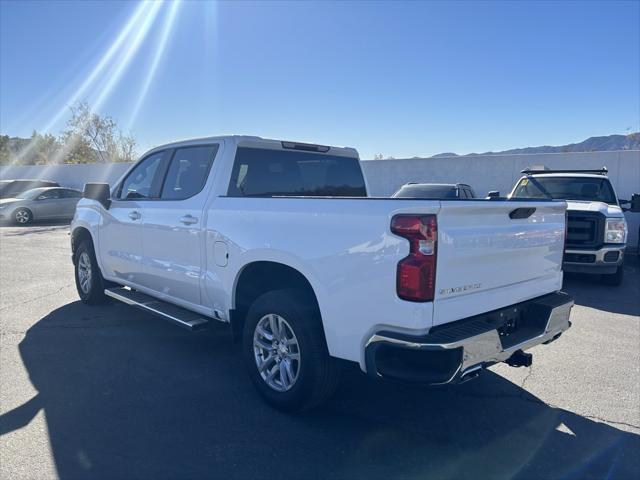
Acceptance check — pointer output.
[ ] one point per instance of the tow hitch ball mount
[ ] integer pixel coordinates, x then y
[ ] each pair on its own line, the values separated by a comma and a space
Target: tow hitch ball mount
519, 359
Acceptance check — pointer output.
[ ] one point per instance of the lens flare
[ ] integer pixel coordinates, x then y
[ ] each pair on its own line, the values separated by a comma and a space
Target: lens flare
128, 55
164, 37
116, 59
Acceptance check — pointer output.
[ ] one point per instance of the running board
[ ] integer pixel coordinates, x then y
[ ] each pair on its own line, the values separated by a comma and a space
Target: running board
180, 316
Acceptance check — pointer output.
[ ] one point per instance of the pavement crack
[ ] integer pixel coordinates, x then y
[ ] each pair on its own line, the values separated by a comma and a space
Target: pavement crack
613, 422
536, 401
524, 380
40, 297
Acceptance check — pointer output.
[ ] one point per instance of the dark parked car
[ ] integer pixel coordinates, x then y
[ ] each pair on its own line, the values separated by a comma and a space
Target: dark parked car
11, 188
53, 203
435, 190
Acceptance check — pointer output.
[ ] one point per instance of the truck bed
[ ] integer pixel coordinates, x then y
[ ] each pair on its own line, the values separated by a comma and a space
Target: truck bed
345, 248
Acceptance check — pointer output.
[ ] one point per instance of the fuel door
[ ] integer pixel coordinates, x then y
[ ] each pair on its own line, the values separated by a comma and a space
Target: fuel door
221, 253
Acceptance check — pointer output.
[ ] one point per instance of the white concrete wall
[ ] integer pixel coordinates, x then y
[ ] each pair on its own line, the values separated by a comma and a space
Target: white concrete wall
482, 172
74, 176
500, 172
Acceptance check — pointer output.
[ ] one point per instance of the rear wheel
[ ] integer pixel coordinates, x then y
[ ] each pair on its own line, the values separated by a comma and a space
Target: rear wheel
286, 353
614, 279
89, 281
22, 216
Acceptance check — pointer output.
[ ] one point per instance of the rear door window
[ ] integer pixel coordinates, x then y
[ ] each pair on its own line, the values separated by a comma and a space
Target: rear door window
70, 194
188, 171
49, 195
266, 173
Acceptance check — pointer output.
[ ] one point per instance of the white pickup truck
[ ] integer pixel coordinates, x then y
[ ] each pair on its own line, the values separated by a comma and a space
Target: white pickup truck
279, 240
596, 227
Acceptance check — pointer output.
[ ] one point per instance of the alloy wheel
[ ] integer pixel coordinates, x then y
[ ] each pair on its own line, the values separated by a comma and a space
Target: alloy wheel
84, 272
276, 352
22, 216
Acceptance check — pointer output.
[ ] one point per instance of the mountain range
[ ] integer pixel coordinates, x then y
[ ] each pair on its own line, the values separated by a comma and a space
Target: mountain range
591, 144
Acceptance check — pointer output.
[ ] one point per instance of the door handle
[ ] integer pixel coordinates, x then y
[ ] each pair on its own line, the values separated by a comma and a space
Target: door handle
189, 220
134, 215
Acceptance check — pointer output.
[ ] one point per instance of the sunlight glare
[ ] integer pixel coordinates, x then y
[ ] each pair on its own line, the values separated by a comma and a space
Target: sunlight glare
160, 48
141, 19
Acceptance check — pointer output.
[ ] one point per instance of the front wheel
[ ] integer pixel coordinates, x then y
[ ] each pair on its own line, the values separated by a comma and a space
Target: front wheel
22, 216
89, 281
286, 353
614, 279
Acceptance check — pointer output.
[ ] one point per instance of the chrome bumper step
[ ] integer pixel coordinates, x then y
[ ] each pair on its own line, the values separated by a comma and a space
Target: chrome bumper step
180, 316
459, 351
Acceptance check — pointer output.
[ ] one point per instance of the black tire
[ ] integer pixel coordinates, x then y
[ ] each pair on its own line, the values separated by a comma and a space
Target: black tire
22, 216
94, 294
614, 279
317, 374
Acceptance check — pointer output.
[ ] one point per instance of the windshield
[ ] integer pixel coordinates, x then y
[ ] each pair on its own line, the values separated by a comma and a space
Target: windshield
567, 188
427, 191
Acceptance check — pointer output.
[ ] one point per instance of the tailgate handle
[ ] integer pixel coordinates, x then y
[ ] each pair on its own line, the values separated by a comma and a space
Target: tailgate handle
521, 213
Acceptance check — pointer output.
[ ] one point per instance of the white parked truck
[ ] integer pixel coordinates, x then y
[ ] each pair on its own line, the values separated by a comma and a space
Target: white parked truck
279, 240
596, 227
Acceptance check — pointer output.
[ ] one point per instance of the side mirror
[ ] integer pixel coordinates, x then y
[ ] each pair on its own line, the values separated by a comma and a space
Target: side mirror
635, 203
99, 192
493, 194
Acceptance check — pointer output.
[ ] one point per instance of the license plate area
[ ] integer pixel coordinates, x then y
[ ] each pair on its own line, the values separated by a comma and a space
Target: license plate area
510, 322
518, 324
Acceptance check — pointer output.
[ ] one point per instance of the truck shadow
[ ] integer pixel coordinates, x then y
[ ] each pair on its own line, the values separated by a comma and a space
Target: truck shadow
589, 291
127, 396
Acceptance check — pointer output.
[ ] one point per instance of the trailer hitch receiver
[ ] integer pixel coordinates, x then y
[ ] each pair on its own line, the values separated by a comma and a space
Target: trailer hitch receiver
519, 359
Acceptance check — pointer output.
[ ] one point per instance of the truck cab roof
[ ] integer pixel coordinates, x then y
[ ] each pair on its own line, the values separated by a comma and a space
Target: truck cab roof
584, 175
252, 141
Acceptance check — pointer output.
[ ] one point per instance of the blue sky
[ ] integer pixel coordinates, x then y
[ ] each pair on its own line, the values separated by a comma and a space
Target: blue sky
398, 78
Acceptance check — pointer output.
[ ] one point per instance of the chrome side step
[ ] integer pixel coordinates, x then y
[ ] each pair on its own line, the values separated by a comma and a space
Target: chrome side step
180, 316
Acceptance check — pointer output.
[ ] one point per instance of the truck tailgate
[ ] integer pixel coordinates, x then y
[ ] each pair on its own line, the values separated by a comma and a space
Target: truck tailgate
496, 253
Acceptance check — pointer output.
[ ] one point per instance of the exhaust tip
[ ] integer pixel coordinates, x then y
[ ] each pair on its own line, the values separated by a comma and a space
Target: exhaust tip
471, 374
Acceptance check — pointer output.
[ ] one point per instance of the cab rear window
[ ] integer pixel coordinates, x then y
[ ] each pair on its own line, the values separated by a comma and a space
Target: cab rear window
267, 173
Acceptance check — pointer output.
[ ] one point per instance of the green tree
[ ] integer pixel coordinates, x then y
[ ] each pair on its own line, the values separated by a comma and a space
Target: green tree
37, 150
5, 152
45, 148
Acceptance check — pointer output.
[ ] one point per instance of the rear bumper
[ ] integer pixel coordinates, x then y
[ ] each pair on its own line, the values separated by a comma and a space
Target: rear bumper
605, 260
457, 351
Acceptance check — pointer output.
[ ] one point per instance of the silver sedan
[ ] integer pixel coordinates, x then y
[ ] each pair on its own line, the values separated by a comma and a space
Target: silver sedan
50, 203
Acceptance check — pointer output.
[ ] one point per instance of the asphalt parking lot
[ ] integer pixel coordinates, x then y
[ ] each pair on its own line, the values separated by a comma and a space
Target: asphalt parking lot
111, 392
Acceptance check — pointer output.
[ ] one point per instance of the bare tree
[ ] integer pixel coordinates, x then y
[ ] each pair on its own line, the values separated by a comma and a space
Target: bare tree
126, 147
91, 137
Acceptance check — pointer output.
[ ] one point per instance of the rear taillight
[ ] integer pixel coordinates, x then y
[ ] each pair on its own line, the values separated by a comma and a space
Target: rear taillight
416, 273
